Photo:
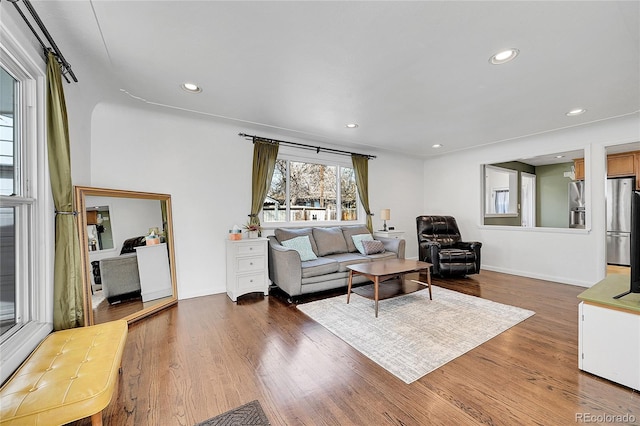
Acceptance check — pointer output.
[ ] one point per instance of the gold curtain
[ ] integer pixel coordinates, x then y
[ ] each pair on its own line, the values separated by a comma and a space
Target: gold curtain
361, 169
67, 284
265, 154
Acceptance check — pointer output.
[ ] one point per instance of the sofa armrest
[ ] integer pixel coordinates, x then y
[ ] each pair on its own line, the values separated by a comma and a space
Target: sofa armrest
395, 245
285, 267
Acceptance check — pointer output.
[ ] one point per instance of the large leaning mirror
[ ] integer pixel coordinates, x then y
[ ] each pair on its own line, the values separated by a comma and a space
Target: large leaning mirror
127, 253
545, 191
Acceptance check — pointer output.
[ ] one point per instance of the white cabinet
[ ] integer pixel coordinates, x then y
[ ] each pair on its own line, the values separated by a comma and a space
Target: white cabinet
155, 275
609, 344
247, 267
389, 234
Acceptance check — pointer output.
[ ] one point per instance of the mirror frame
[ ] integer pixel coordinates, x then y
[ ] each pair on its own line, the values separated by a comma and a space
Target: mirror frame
81, 192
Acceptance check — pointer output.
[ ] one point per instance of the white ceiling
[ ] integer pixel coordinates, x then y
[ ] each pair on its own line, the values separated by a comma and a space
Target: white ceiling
411, 74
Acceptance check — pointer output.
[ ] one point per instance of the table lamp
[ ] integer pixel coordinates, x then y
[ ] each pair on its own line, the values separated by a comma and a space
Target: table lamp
385, 215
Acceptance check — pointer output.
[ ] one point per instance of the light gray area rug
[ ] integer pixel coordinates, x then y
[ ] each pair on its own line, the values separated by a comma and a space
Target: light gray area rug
413, 335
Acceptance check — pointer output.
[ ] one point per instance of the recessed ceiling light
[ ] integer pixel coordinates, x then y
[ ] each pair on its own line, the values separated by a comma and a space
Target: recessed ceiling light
438, 145
576, 111
504, 56
559, 156
351, 126
191, 87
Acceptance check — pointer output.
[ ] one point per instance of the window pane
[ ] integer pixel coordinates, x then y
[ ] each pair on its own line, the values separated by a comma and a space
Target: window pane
348, 194
312, 191
274, 207
7, 133
7, 269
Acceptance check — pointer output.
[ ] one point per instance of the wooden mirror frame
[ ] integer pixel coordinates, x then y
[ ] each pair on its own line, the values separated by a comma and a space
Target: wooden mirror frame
81, 192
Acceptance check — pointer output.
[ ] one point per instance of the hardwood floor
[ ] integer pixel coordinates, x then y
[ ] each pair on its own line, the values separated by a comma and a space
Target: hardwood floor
208, 355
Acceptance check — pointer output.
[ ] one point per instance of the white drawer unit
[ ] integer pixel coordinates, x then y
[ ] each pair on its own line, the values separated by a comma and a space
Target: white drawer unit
247, 267
389, 234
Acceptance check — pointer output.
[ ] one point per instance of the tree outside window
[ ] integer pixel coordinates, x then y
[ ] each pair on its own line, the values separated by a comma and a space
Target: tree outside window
302, 191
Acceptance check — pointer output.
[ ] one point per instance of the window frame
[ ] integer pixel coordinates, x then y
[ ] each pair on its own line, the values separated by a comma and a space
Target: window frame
34, 258
328, 159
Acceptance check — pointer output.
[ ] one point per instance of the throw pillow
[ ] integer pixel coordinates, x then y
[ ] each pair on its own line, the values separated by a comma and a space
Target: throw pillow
373, 247
358, 239
349, 231
329, 241
283, 234
303, 246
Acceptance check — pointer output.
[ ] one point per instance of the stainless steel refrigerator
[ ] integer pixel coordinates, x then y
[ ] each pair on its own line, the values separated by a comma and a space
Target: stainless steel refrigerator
576, 204
618, 195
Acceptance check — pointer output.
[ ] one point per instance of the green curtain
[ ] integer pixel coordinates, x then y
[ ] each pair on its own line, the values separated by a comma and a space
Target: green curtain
265, 154
361, 168
67, 291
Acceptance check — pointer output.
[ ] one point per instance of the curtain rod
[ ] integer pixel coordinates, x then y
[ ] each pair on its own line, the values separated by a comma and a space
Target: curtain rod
317, 149
64, 65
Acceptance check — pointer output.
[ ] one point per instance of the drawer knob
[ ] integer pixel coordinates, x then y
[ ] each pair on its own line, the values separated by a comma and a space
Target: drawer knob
250, 281
251, 263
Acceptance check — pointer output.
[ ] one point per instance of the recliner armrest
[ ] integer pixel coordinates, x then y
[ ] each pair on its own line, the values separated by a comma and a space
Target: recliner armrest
469, 245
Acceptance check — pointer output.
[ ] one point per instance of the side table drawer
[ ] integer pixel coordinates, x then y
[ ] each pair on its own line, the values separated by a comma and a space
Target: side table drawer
251, 283
250, 249
249, 264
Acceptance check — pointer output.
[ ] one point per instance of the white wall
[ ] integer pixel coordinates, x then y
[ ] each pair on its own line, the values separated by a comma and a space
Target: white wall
206, 168
453, 186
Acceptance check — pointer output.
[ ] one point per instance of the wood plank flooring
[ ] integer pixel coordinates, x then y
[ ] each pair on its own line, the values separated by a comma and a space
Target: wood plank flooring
208, 355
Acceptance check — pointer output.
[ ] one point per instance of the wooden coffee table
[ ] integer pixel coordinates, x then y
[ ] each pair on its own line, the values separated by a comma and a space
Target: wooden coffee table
385, 270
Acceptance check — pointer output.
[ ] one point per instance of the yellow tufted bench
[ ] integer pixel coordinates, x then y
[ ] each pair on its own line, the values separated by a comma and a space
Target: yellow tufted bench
69, 376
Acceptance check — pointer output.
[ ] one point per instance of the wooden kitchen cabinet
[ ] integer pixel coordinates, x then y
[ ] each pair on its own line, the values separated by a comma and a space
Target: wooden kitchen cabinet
621, 164
579, 168
618, 165
92, 217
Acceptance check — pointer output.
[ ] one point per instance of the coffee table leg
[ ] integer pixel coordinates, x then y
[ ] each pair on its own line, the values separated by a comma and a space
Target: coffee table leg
429, 282
349, 287
376, 285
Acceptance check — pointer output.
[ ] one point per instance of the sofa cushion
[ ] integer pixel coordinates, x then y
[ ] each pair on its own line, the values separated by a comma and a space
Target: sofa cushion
319, 266
349, 231
329, 241
303, 246
346, 259
283, 234
358, 239
372, 247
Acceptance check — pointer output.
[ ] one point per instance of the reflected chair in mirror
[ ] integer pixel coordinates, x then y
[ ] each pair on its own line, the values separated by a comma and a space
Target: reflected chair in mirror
440, 243
120, 276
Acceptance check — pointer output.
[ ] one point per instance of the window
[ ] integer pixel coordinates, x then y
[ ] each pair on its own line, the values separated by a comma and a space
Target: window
501, 191
302, 191
10, 185
25, 227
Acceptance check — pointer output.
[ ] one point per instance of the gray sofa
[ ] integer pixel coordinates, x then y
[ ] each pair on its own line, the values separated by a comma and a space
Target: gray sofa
120, 278
334, 248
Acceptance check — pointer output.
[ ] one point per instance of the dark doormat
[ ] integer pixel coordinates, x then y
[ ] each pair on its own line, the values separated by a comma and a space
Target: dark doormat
249, 414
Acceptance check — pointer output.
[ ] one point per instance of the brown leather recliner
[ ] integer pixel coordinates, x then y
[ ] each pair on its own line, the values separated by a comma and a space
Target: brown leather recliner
440, 243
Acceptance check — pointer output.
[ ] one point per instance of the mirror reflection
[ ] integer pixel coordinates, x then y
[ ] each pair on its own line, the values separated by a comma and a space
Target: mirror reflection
99, 232
127, 253
543, 191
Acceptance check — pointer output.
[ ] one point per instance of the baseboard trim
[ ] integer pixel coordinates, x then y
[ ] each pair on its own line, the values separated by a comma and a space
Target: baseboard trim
562, 280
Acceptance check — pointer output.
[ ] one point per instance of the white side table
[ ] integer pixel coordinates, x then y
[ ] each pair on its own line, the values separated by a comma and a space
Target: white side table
153, 267
389, 234
247, 267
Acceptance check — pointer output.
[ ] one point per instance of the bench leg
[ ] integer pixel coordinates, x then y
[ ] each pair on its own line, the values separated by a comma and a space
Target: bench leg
96, 419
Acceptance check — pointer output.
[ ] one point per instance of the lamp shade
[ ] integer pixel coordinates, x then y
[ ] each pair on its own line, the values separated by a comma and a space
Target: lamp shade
385, 214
